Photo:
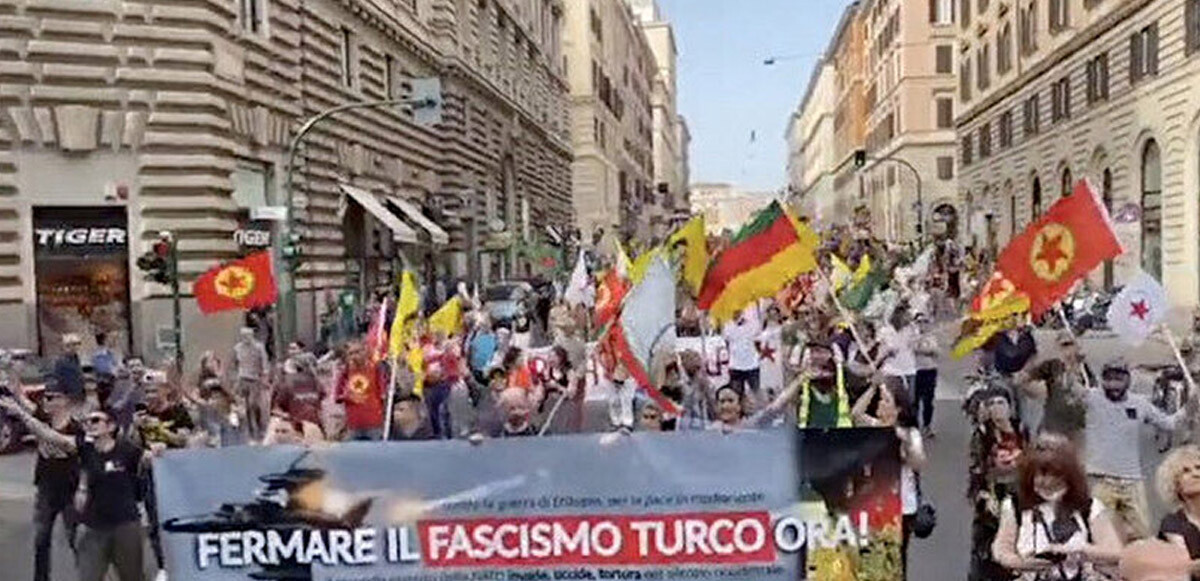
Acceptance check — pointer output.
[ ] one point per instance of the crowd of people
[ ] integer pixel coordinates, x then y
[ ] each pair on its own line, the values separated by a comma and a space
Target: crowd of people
1055, 466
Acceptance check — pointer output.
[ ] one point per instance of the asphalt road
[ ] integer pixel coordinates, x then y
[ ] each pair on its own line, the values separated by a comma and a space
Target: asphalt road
943, 556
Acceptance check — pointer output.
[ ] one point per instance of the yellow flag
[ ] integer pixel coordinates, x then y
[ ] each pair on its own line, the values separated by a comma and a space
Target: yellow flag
406, 311
841, 272
864, 268
416, 362
448, 318
641, 263
983, 325
624, 265
695, 252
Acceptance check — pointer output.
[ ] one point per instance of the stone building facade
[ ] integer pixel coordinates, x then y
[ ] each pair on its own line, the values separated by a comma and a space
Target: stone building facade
909, 97
121, 119
847, 54
611, 70
1054, 91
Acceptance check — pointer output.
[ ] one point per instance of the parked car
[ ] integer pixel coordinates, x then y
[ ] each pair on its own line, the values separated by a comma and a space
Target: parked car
503, 301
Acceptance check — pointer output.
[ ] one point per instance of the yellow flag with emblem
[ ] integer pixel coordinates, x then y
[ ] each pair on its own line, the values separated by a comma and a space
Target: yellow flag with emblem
416, 363
695, 252
406, 312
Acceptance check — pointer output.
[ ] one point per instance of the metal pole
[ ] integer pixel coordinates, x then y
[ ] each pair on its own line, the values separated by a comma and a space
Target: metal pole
920, 201
177, 326
285, 323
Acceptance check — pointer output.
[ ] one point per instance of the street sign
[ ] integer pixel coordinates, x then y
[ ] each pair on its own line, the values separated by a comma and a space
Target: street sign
427, 101
269, 213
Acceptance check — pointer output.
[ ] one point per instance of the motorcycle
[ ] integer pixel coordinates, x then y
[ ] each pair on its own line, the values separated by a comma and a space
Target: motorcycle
1084, 310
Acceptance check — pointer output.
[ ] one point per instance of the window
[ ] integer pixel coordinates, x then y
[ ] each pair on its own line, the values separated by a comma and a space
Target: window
1066, 185
966, 152
1097, 78
1035, 200
983, 5
945, 113
252, 15
1060, 100
891, 176
964, 79
941, 12
1059, 15
985, 140
1031, 115
945, 168
1107, 197
1006, 129
1191, 18
347, 57
965, 13
1027, 29
251, 182
597, 26
1143, 53
1152, 210
945, 58
1004, 49
983, 62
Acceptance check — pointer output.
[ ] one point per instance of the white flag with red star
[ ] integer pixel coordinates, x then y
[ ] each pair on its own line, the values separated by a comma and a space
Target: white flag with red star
1139, 308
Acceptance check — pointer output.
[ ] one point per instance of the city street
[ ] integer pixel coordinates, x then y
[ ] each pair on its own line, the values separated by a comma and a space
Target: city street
943, 556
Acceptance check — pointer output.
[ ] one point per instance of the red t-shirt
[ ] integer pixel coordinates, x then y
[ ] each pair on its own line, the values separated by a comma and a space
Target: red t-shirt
362, 395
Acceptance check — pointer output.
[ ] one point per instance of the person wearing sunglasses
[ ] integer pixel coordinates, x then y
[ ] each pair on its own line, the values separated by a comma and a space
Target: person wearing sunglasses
110, 488
56, 473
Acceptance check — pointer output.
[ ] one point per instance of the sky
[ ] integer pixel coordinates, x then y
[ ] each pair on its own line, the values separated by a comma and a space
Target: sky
736, 107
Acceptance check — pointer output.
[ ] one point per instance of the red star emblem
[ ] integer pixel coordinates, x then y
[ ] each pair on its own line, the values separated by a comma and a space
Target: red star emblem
1139, 310
1052, 252
766, 353
233, 283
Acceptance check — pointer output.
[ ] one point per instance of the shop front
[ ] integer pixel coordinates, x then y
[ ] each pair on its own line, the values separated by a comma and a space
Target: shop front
81, 270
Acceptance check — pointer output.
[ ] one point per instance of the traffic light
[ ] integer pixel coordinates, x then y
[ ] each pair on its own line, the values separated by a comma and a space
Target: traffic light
157, 263
291, 245
860, 157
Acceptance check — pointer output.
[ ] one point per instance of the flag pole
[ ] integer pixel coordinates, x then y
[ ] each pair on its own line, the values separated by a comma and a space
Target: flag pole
391, 397
849, 321
1062, 315
1187, 374
553, 412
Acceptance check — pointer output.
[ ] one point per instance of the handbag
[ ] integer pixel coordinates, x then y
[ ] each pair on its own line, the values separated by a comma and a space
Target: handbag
925, 520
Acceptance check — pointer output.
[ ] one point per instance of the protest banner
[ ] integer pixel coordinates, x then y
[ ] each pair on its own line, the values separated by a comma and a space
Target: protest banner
645, 506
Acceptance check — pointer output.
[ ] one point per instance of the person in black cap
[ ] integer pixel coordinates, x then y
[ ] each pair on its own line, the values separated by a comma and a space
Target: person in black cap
56, 473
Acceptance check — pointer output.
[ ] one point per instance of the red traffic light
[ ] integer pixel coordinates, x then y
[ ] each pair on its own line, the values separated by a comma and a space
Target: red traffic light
162, 248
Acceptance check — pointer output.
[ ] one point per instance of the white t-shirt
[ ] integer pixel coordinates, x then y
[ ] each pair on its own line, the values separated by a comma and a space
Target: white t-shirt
927, 342
771, 360
740, 338
1033, 537
901, 343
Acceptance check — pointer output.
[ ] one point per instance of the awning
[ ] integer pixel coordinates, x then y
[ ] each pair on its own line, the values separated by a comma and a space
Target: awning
436, 233
400, 231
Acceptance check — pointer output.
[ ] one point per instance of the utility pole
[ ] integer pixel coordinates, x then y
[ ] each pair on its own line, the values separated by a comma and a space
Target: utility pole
426, 103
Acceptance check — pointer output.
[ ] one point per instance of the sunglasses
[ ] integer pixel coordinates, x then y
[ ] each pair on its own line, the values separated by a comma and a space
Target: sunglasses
96, 420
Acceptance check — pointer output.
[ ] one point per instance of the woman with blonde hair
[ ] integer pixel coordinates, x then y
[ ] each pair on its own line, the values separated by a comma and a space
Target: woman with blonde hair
1178, 482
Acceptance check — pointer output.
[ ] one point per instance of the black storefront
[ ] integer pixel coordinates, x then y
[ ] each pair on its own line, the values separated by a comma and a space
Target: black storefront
81, 269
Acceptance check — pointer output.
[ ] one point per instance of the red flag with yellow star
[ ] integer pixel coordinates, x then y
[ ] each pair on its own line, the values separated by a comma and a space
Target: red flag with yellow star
242, 284
1066, 243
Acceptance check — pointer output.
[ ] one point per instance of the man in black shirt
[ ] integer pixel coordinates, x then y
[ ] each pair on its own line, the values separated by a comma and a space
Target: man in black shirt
56, 474
109, 491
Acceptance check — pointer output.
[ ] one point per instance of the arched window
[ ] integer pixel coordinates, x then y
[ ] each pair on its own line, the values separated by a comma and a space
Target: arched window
1107, 196
1035, 200
1067, 186
1152, 210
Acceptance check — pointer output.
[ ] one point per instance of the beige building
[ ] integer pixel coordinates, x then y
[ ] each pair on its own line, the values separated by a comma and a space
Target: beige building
121, 119
812, 157
725, 207
611, 70
847, 53
670, 175
683, 136
1057, 90
909, 97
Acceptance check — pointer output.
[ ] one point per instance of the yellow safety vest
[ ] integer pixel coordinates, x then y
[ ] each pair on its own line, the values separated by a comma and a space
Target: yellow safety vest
843, 405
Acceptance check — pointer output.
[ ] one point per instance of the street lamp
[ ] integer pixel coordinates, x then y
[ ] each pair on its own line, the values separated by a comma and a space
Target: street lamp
426, 102
860, 160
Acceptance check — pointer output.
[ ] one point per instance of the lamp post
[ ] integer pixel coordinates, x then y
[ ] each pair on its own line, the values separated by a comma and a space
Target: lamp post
426, 102
860, 160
